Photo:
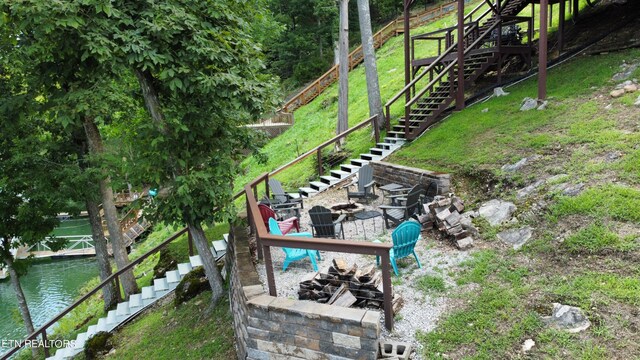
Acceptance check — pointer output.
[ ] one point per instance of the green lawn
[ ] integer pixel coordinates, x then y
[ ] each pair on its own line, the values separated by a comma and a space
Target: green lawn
585, 248
194, 330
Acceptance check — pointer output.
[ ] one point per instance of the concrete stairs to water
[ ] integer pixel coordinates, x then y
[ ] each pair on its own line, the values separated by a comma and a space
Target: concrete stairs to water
126, 311
379, 152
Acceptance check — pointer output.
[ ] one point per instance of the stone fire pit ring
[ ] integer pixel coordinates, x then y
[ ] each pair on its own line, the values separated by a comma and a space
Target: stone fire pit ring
348, 208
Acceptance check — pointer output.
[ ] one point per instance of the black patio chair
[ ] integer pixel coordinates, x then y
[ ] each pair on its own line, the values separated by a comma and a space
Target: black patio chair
365, 184
323, 225
411, 207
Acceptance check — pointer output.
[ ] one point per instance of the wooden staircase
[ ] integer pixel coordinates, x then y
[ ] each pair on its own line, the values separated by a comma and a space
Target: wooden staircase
434, 87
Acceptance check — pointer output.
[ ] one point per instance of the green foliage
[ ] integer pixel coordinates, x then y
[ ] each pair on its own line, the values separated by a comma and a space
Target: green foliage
474, 138
594, 289
199, 330
596, 237
606, 201
431, 283
98, 344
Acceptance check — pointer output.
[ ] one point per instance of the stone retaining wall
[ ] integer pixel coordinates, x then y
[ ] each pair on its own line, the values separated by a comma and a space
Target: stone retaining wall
268, 327
387, 173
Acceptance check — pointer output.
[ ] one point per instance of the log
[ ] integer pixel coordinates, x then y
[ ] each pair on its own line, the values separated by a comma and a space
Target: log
340, 265
396, 303
365, 274
346, 299
337, 293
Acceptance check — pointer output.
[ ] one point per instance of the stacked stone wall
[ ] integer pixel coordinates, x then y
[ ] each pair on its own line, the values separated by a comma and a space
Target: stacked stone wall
387, 173
269, 327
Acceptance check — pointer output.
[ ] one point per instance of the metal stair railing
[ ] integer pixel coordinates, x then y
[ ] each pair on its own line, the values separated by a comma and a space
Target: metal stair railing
441, 74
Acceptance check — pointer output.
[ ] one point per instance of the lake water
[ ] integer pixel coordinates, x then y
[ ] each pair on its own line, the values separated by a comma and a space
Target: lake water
49, 287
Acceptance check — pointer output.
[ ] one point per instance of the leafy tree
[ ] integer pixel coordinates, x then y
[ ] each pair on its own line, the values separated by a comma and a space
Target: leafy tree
201, 78
32, 182
78, 91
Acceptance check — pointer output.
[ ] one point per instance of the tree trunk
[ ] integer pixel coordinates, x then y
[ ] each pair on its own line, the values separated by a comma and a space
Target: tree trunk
343, 69
145, 79
109, 294
370, 66
118, 246
209, 263
22, 301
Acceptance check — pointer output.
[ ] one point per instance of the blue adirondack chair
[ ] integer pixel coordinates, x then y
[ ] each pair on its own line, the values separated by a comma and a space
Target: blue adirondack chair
292, 254
405, 237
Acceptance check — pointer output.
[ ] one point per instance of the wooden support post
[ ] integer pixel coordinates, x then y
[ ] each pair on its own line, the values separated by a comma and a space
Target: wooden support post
407, 44
576, 9
561, 26
266, 185
118, 294
268, 264
550, 15
460, 92
386, 290
44, 341
319, 154
542, 51
190, 237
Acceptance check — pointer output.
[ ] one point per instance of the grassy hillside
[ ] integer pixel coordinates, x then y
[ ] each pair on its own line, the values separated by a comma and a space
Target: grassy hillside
316, 122
584, 250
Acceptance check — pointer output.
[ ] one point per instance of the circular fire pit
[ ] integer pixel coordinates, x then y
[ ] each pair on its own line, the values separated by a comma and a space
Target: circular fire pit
347, 208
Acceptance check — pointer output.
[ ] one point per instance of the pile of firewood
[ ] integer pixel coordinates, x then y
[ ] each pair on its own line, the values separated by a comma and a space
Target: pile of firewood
443, 213
347, 286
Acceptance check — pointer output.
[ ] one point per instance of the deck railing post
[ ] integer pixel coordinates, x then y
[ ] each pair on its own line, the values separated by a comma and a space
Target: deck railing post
376, 131
319, 154
190, 237
386, 290
118, 294
44, 341
268, 264
266, 185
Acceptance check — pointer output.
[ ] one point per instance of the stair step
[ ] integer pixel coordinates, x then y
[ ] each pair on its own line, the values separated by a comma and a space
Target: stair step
173, 276
318, 186
379, 151
339, 174
396, 134
123, 309
395, 140
80, 340
370, 157
102, 325
148, 292
195, 261
359, 162
225, 237
350, 168
160, 285
219, 246
112, 319
307, 191
91, 331
135, 301
387, 146
329, 179
184, 268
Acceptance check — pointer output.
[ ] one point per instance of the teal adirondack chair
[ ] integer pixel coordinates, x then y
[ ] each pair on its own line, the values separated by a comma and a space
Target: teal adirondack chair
405, 237
292, 254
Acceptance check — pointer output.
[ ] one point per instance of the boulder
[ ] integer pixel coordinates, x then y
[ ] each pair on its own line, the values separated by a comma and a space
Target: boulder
573, 190
530, 104
497, 92
528, 345
543, 106
526, 191
194, 283
515, 237
166, 263
627, 71
497, 211
464, 244
617, 93
514, 167
98, 344
630, 88
637, 103
567, 318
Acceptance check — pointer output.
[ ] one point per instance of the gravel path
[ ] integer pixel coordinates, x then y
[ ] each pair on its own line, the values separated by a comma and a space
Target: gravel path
421, 310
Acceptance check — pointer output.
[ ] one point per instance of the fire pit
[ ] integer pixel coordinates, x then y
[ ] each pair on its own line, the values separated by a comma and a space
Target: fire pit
348, 208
